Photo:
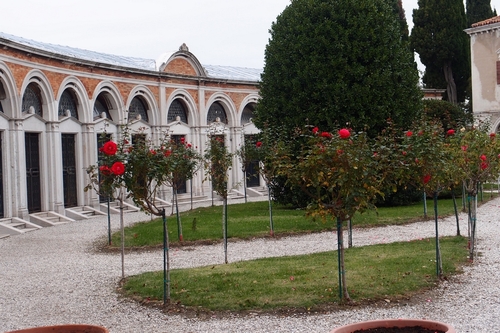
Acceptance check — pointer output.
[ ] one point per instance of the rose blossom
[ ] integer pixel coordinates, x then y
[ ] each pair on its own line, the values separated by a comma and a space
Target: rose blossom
118, 168
105, 170
450, 132
258, 144
409, 133
483, 157
315, 130
326, 135
109, 148
426, 178
344, 133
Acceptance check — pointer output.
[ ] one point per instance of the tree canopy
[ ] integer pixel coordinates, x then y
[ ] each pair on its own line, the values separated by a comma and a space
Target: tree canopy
438, 37
336, 63
478, 10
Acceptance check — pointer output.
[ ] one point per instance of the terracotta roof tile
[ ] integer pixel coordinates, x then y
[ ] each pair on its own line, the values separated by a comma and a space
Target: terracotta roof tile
492, 20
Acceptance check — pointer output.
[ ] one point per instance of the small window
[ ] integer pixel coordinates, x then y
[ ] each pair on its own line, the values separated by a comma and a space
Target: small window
32, 99
3, 96
100, 107
68, 103
138, 109
247, 114
216, 112
175, 110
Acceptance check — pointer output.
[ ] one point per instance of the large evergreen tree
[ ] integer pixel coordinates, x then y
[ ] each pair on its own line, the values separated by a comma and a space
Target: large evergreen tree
478, 10
438, 37
335, 62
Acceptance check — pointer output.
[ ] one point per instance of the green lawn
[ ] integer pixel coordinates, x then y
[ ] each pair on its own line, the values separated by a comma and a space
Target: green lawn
252, 220
306, 282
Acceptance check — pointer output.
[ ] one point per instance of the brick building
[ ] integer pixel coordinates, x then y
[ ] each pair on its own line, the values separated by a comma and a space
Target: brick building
56, 101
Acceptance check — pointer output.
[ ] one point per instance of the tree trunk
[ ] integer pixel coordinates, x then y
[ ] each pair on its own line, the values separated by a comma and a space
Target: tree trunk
224, 227
451, 88
343, 293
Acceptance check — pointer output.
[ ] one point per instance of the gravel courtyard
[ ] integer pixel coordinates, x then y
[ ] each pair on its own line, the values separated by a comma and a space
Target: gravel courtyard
52, 276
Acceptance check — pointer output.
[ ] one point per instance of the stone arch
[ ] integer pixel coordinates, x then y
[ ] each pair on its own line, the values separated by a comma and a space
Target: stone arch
189, 104
148, 99
80, 94
226, 103
38, 78
8, 92
247, 105
107, 93
181, 62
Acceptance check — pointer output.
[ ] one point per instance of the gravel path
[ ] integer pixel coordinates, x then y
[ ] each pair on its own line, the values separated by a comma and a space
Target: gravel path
52, 276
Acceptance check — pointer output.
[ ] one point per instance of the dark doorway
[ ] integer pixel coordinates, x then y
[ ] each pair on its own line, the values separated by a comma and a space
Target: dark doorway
101, 140
181, 184
252, 174
252, 169
69, 170
32, 150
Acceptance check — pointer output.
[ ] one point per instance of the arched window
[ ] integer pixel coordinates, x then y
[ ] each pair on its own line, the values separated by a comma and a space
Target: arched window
138, 108
175, 110
247, 114
3, 95
32, 98
101, 106
68, 103
216, 111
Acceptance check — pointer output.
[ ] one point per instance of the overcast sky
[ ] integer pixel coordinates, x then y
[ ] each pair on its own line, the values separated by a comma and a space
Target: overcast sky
217, 32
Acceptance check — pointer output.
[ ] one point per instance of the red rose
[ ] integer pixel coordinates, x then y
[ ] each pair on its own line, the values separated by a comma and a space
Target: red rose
109, 148
493, 135
426, 178
464, 148
409, 133
315, 130
168, 153
258, 144
183, 140
484, 165
326, 135
404, 153
450, 132
118, 168
483, 157
344, 133
188, 145
152, 151
105, 170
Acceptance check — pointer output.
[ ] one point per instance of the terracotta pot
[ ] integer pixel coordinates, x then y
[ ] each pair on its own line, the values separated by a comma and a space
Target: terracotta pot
387, 323
64, 329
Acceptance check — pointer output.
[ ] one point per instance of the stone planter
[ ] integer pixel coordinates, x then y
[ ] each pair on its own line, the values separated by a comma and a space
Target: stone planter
399, 323
64, 329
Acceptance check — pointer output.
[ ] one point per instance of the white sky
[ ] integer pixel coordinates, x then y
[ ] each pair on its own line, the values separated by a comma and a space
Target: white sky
217, 32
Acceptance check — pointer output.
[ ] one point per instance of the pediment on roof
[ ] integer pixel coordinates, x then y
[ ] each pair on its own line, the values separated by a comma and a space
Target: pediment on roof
182, 62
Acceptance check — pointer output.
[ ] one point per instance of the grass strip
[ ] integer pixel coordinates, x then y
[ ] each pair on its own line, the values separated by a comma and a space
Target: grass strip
385, 271
251, 219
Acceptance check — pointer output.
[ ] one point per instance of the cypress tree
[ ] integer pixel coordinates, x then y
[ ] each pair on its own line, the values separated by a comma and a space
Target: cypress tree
438, 37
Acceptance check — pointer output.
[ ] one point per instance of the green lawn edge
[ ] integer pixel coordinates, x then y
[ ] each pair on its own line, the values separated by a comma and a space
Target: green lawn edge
307, 282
